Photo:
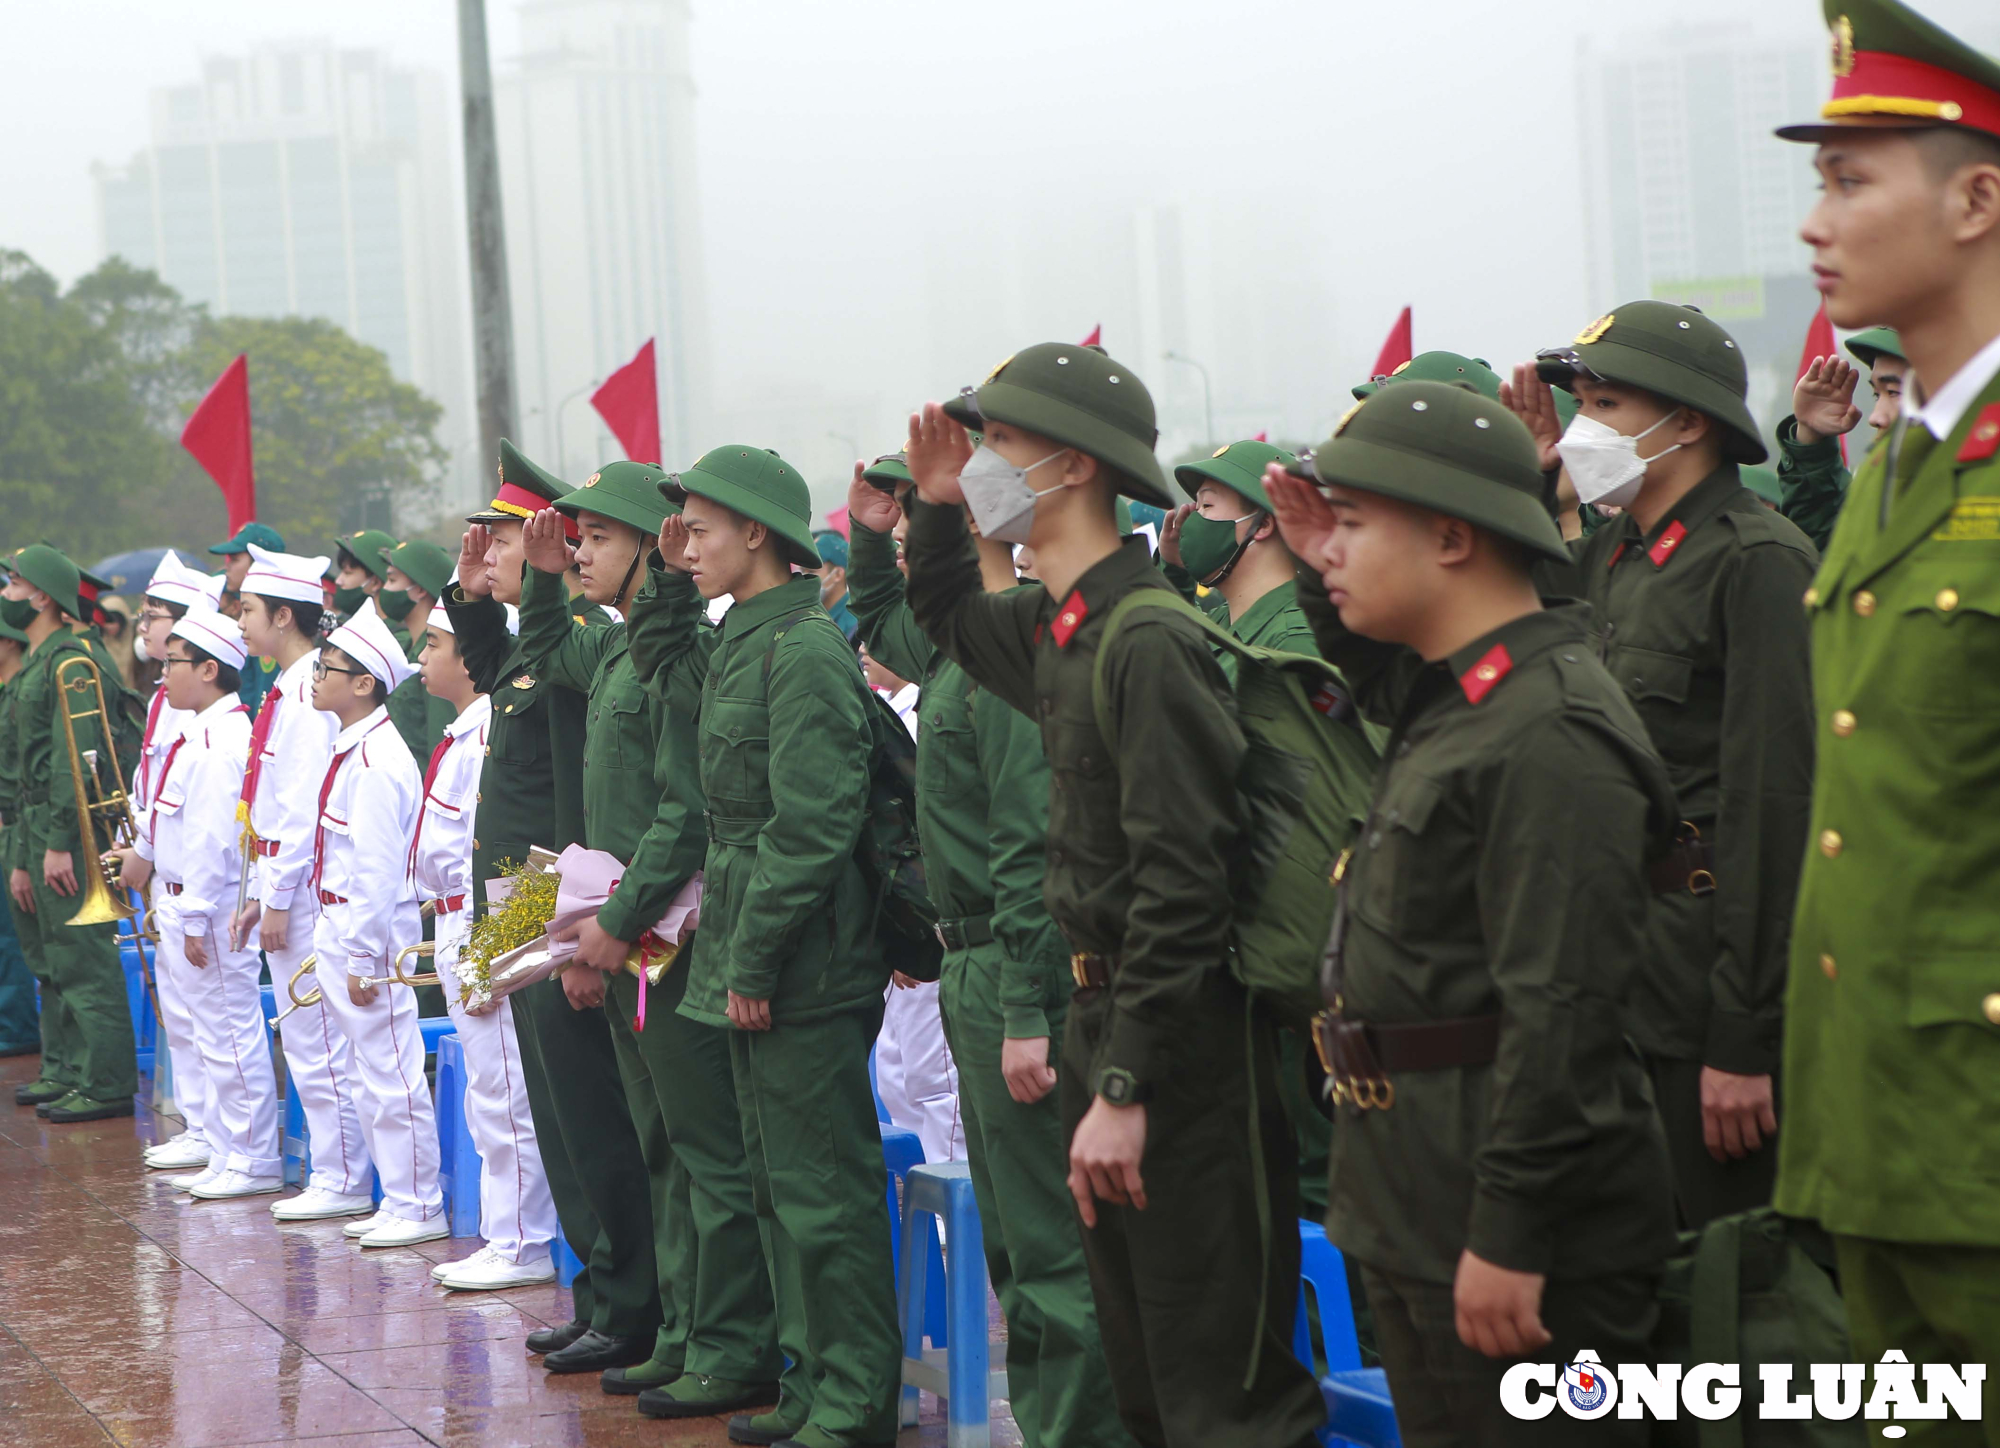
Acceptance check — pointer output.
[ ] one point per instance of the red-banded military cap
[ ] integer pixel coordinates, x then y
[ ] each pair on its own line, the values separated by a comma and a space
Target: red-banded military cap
1893, 69
525, 489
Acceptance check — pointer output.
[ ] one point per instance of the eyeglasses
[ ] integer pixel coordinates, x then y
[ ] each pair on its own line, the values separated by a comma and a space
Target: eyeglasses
170, 661
321, 668
154, 615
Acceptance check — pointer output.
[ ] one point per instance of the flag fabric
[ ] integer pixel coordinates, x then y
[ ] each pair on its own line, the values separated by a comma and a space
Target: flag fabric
1262, 437
1096, 337
1820, 342
837, 520
1397, 349
629, 403
218, 435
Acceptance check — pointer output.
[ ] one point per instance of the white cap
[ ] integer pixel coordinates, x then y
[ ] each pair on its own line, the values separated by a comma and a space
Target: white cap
440, 619
285, 575
175, 582
366, 639
215, 634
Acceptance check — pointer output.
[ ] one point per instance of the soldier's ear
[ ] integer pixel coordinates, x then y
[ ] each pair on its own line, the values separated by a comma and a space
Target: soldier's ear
755, 534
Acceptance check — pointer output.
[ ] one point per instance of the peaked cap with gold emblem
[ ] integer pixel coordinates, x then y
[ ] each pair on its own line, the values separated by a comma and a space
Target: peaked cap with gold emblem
526, 487
1894, 69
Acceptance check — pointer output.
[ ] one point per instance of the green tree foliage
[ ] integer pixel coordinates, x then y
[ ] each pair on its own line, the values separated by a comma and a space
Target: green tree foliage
96, 383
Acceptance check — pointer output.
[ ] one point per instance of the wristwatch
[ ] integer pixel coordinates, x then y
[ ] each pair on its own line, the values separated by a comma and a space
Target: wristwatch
1120, 1087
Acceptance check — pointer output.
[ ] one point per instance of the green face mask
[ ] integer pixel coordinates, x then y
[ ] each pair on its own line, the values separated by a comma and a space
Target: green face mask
396, 605
347, 600
1209, 548
17, 613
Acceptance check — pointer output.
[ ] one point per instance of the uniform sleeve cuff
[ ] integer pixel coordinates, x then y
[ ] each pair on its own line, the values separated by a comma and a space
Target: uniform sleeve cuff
275, 899
1129, 1049
1825, 449
1743, 1045
1023, 1023
1509, 1233
614, 917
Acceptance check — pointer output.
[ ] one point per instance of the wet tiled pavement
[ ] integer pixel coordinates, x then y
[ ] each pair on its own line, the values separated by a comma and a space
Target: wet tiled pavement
132, 1314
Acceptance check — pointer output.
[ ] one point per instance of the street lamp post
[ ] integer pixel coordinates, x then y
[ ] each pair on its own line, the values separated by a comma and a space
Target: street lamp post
1207, 400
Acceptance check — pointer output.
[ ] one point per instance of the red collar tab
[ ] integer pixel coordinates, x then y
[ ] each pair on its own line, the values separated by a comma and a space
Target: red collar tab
1075, 609
1879, 83
1616, 554
1667, 543
1478, 681
1984, 439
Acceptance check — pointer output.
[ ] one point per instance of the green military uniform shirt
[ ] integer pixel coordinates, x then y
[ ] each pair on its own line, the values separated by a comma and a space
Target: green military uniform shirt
48, 788
11, 834
1814, 482
1137, 866
1501, 870
1892, 1044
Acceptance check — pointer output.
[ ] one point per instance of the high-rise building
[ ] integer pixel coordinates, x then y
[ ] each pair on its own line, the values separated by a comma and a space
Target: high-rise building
307, 180
597, 171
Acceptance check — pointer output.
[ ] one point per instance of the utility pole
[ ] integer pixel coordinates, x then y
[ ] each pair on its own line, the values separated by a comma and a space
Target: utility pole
492, 312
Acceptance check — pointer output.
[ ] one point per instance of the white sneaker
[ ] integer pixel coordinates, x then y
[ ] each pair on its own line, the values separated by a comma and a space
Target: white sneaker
180, 1154
366, 1225
197, 1179
497, 1272
316, 1204
445, 1269
399, 1232
237, 1184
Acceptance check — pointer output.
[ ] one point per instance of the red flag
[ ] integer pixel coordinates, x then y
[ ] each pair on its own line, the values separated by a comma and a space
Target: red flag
1263, 437
1396, 351
1096, 337
837, 520
629, 403
1820, 343
218, 434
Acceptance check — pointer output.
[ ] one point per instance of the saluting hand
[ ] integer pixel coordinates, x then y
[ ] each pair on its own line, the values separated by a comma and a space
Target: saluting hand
1305, 518
1170, 535
1499, 1311
1528, 397
936, 454
474, 577
1823, 399
1104, 1158
673, 541
869, 506
542, 540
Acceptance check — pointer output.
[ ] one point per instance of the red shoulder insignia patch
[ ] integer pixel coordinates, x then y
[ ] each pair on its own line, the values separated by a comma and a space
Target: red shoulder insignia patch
1662, 550
1075, 609
1616, 554
1984, 440
1478, 681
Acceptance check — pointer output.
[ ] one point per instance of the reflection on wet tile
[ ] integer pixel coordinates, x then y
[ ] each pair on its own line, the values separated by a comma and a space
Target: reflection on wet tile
40, 1412
212, 1402
454, 1321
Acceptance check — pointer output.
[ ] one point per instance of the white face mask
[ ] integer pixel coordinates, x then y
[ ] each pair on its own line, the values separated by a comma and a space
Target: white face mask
1605, 464
1002, 503
139, 645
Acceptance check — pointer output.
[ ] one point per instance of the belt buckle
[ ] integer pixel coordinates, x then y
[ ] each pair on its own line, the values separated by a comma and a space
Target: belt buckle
938, 931
1700, 882
1077, 970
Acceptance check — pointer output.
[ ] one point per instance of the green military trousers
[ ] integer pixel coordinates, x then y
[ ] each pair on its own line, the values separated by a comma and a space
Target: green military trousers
683, 1095
1034, 1253
1178, 1284
590, 1151
1935, 1303
87, 1041
815, 1151
1311, 1128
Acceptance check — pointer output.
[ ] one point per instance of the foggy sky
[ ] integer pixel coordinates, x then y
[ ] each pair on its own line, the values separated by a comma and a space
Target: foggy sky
896, 193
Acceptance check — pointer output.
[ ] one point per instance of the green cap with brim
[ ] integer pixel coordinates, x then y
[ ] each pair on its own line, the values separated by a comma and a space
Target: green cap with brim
1476, 372
8, 631
831, 547
1080, 398
261, 534
525, 489
624, 492
1446, 448
757, 483
1238, 466
1673, 352
367, 548
427, 565
1894, 69
1876, 343
888, 472
50, 570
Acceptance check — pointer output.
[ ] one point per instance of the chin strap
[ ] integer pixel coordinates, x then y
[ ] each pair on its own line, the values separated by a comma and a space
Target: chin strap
630, 569
1214, 580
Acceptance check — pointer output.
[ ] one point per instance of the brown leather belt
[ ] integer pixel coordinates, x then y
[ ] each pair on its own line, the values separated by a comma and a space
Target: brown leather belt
1091, 971
172, 888
1358, 1057
1689, 866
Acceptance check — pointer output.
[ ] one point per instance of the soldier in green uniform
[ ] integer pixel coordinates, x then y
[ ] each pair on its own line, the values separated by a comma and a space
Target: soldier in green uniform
1498, 1167
983, 815
643, 804
20, 1031
421, 573
787, 955
1811, 469
88, 1069
1892, 1046
357, 563
531, 793
1161, 1047
128, 709
1692, 592
257, 675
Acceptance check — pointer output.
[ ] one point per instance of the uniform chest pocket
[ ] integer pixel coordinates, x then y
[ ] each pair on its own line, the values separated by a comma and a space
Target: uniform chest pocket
521, 735
1649, 675
736, 751
947, 752
445, 804
1083, 791
1392, 862
621, 735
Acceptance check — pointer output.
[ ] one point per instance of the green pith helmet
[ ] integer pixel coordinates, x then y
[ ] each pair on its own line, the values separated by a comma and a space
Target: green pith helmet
50, 570
1446, 448
888, 472
425, 564
8, 631
831, 547
1673, 352
1439, 367
624, 492
1141, 514
367, 548
760, 485
1239, 465
525, 489
1080, 398
1894, 69
1875, 343
1764, 483
262, 534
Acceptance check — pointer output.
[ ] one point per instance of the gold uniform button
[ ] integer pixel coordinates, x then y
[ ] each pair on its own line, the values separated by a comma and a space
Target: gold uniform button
1843, 723
1812, 598
1829, 843
1864, 604
475, 844
1990, 1007
1947, 599
1826, 964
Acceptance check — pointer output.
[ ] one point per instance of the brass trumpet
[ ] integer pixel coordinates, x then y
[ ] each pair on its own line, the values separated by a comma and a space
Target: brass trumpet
400, 977
299, 1002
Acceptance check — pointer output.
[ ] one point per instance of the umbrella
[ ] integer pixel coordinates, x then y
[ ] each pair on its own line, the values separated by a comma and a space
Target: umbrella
130, 572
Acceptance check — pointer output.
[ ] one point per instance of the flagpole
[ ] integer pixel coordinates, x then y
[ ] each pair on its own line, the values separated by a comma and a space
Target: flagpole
486, 233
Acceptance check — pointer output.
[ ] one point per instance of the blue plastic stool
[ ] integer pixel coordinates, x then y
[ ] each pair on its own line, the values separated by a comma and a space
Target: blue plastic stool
881, 1111
1359, 1410
1323, 1274
136, 1001
902, 1151
434, 1029
458, 1158
958, 1373
567, 1265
